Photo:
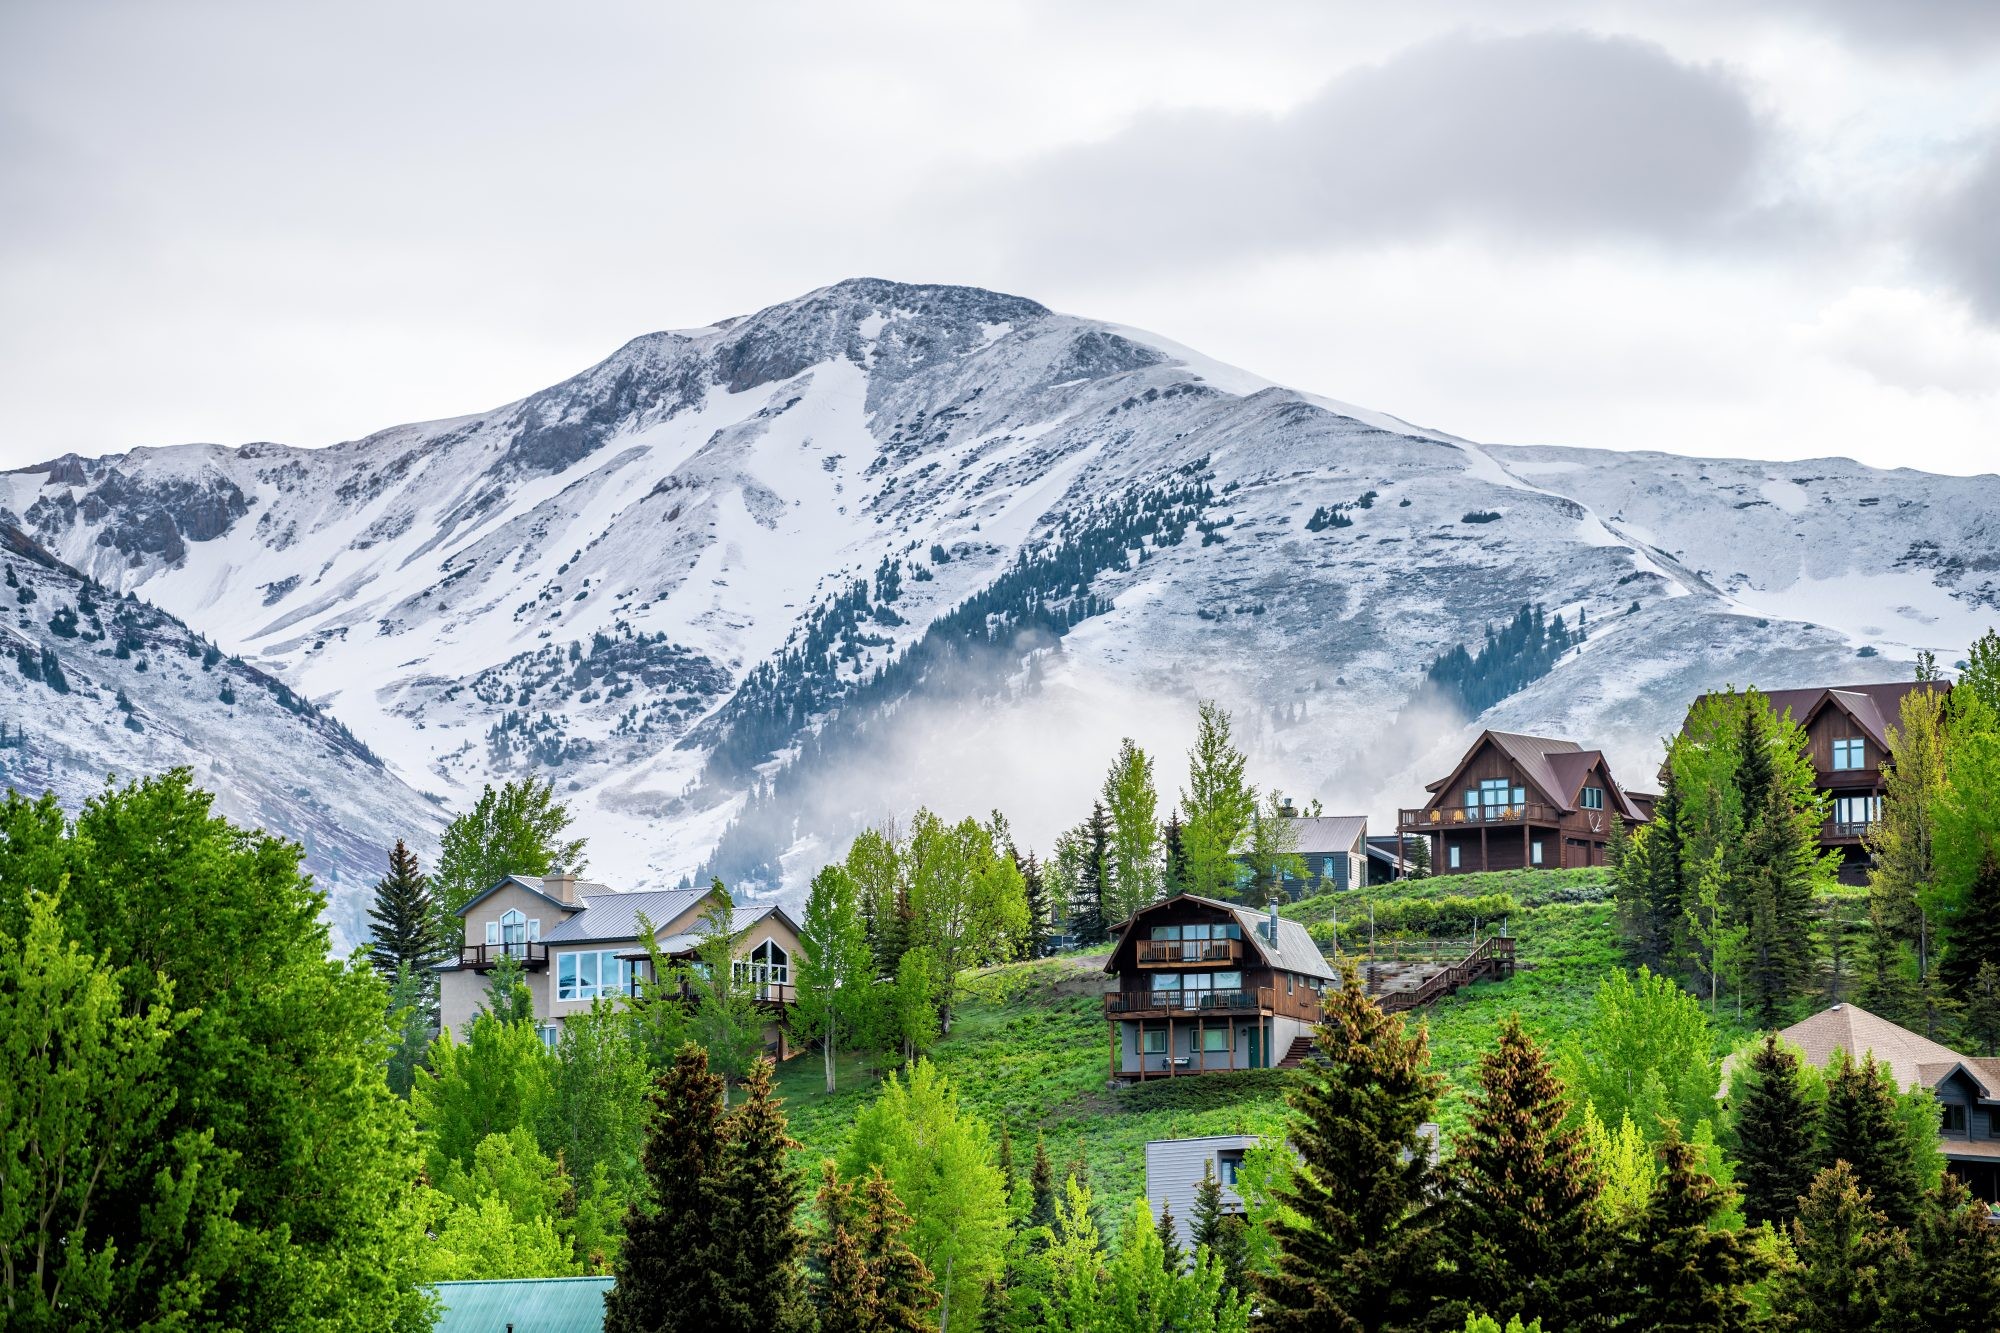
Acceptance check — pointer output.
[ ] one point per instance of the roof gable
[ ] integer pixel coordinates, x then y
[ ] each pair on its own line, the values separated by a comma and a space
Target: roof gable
529, 883
1849, 1028
1292, 951
615, 916
1529, 754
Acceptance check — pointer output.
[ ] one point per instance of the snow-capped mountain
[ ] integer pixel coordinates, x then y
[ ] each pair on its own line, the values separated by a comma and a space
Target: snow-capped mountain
889, 543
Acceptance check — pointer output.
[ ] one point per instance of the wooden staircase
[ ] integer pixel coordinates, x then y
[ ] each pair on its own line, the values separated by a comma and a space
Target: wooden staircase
1301, 1048
1493, 958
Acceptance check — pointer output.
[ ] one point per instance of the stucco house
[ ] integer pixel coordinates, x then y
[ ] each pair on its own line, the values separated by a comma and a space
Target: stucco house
578, 941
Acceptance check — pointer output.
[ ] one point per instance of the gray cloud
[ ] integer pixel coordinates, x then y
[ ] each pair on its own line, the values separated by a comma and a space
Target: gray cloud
1947, 27
1549, 137
1963, 241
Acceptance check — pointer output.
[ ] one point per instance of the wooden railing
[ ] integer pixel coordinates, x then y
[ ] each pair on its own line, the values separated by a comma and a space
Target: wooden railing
533, 955
1846, 828
1302, 1003
1425, 820
1181, 953
1494, 956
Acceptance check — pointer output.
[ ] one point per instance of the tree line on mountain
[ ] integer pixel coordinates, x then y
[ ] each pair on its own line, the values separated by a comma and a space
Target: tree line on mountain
1727, 887
1511, 658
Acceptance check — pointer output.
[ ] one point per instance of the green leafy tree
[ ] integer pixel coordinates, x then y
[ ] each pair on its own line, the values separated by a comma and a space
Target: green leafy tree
658, 1014
1133, 859
1861, 1126
404, 935
1059, 1270
1853, 1267
1645, 1051
508, 999
726, 1020
1777, 1133
275, 1189
1361, 1249
1682, 1269
411, 1030
665, 1272
1216, 806
1271, 848
1625, 1166
594, 1114
876, 865
912, 1003
1143, 1293
511, 1205
1524, 1192
836, 972
520, 829
967, 902
938, 1157
1718, 942
495, 1081
1902, 842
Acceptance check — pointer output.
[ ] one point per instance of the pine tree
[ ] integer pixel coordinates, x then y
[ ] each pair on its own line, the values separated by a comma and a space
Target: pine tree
405, 916
759, 1282
1982, 1012
1853, 1267
847, 1298
871, 1281
1363, 1248
1005, 1161
1041, 1188
1777, 1132
1417, 858
1223, 1234
1087, 923
1036, 889
1859, 1126
1174, 854
1957, 1251
905, 1289
1524, 1193
665, 1270
410, 1023
1974, 938
1681, 1270
1172, 1257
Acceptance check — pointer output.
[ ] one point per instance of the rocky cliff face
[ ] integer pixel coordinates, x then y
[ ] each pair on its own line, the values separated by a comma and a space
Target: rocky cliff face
889, 543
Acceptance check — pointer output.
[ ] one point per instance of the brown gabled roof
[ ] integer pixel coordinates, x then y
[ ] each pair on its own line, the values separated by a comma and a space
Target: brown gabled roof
1915, 1061
1555, 768
1874, 708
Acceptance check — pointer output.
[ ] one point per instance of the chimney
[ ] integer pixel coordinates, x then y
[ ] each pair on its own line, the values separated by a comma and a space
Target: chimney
1287, 809
561, 885
1271, 923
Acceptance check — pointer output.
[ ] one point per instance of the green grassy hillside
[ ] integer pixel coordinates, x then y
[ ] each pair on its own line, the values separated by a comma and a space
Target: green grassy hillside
1030, 1048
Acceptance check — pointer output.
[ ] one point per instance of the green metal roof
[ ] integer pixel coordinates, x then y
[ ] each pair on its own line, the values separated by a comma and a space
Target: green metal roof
531, 1305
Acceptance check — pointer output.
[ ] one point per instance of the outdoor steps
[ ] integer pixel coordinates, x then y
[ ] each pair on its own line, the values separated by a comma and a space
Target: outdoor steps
1301, 1048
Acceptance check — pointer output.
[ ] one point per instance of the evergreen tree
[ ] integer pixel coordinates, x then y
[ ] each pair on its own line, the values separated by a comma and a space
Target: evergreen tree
405, 931
1041, 1188
1683, 1271
1524, 1193
1035, 886
1132, 853
1853, 1267
1271, 849
1417, 858
1223, 1234
876, 865
1360, 1250
1174, 854
846, 1296
1975, 930
1860, 1126
761, 1283
1087, 921
1982, 1012
667, 1267
906, 1290
1777, 1132
1957, 1252
1172, 1257
410, 1027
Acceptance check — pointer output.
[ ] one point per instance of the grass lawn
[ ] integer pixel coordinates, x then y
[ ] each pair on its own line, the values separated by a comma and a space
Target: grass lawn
1029, 1048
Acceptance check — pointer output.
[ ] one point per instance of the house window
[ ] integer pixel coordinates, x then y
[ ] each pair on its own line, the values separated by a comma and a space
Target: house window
1215, 1039
1850, 753
1167, 981
1593, 798
1535, 852
1496, 797
1954, 1118
514, 932
766, 965
1154, 1041
1166, 932
550, 1034
1451, 856
1227, 1163
586, 976
1856, 811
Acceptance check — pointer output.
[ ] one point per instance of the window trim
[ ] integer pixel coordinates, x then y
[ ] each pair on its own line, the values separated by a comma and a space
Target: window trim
1850, 754
1146, 1046
1593, 798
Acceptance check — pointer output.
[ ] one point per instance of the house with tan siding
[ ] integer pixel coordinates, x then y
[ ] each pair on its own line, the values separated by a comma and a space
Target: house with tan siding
578, 941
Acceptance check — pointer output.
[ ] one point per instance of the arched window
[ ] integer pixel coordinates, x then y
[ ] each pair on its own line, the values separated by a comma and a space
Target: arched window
514, 932
766, 965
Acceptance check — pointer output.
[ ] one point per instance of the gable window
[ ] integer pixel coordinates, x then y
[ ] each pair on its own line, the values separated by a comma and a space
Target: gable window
1954, 1118
513, 932
766, 965
1850, 753
1496, 798
1593, 798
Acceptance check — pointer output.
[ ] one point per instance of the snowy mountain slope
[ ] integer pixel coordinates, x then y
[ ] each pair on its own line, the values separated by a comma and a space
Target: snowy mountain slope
92, 685
723, 561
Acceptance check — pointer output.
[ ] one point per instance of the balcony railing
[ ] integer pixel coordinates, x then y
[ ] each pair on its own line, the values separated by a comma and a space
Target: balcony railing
533, 955
1181, 953
1475, 816
1847, 828
1301, 1003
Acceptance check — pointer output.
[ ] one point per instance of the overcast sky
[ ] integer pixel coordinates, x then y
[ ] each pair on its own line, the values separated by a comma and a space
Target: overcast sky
1752, 227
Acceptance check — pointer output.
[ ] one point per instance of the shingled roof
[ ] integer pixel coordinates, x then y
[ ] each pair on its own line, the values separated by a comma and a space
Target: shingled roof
1914, 1060
1555, 768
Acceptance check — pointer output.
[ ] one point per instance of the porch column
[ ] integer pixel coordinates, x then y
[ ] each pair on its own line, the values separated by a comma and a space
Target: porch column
1170, 1043
1483, 865
1527, 861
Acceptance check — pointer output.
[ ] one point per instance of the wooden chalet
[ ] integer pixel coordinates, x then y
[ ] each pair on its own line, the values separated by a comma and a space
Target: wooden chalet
1205, 986
1516, 802
1847, 727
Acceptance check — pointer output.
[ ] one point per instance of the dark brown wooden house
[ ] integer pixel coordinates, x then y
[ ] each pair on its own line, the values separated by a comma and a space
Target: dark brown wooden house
1847, 727
1517, 802
1205, 986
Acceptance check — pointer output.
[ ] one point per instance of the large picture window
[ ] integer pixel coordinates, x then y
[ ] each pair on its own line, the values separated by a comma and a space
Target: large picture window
587, 976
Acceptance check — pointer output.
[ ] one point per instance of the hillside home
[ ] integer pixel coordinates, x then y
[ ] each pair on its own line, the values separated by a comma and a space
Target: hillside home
1847, 727
526, 1305
578, 942
1335, 851
1516, 802
1174, 1169
1967, 1088
1205, 986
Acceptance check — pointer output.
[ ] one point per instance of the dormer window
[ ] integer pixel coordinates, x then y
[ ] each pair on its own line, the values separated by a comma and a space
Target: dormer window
1593, 798
1849, 753
514, 929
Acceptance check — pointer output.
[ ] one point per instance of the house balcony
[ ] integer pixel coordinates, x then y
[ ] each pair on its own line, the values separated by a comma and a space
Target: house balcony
1189, 953
1264, 1001
1845, 830
1427, 820
532, 955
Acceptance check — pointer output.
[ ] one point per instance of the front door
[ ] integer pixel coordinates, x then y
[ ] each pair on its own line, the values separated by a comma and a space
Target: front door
1256, 1045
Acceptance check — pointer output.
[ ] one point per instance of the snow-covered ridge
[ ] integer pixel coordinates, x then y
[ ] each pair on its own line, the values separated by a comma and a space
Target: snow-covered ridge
576, 584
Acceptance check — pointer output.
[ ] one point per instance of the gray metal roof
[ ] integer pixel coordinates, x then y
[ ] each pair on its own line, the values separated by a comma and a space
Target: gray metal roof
1294, 950
615, 916
740, 920
1329, 833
